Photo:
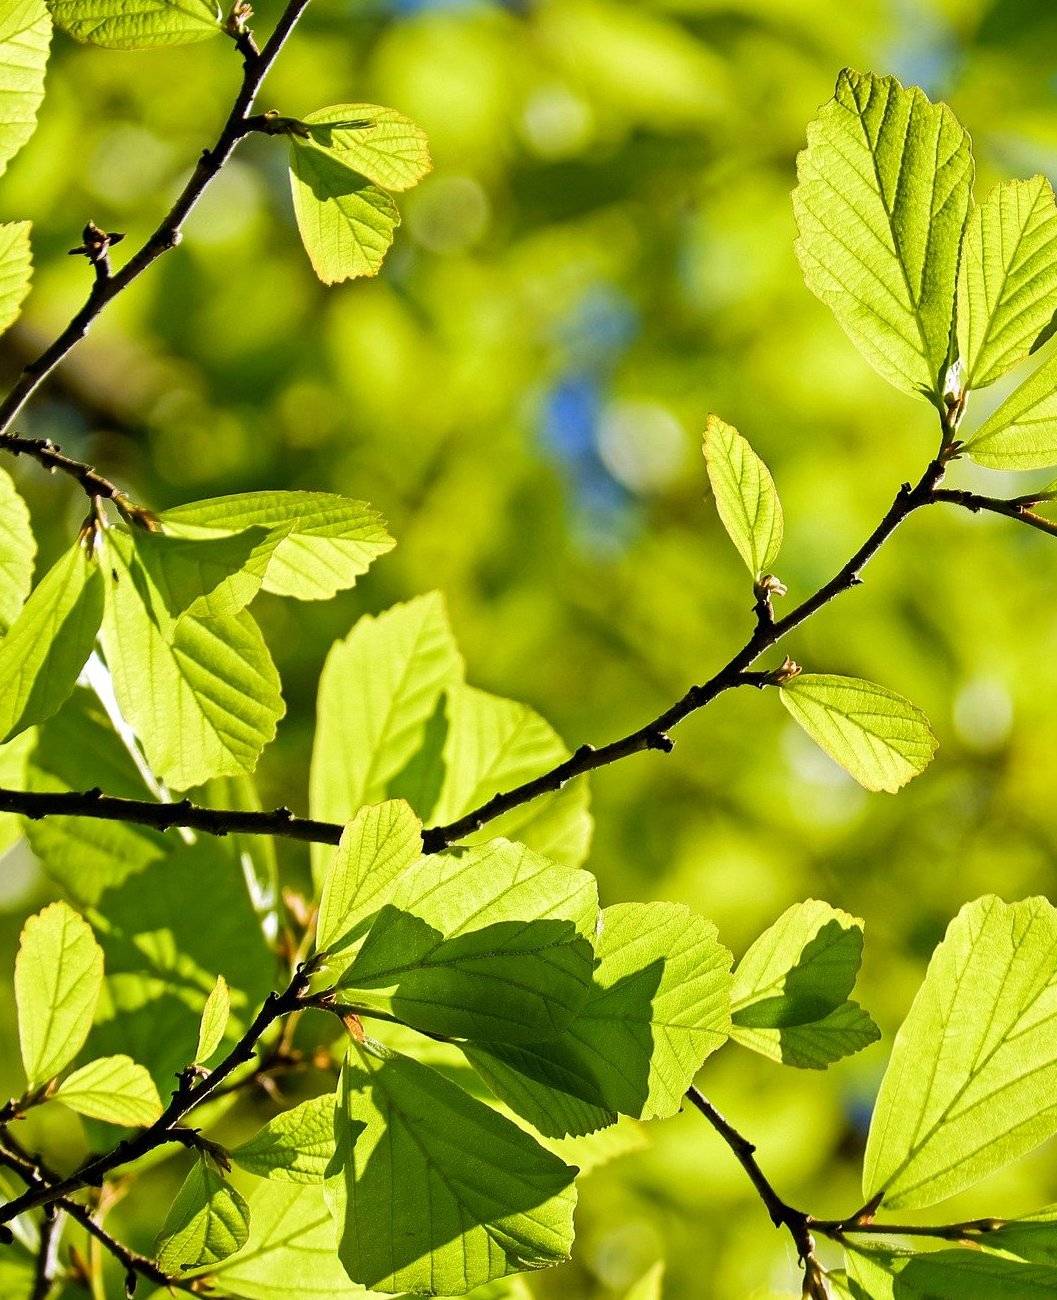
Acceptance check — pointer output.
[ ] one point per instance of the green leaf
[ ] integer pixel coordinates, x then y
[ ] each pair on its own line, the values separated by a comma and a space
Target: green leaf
377, 846
659, 1004
493, 744
17, 549
745, 496
25, 35
1022, 433
210, 577
1007, 280
137, 24
379, 144
58, 979
883, 194
490, 944
16, 270
790, 990
114, 1089
877, 736
377, 692
972, 1083
14, 775
648, 1287
295, 1146
49, 642
318, 544
1033, 1237
434, 1192
879, 1274
201, 695
215, 1015
208, 1221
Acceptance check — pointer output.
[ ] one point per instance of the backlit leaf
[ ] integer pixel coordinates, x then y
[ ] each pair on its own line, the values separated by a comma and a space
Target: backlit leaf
296, 1146
16, 269
745, 496
137, 24
379, 144
1022, 433
114, 1089
17, 549
207, 1222
214, 1021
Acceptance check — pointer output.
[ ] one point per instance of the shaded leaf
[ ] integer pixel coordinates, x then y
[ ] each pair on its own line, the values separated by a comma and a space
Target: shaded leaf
878, 1274
210, 577
208, 1221
379, 144
295, 1146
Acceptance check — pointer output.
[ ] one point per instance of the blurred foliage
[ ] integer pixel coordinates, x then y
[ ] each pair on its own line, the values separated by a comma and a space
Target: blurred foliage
602, 257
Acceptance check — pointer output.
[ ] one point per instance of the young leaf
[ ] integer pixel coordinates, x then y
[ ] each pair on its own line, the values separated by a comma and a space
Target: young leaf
972, 1083
377, 846
745, 496
881, 203
16, 269
1022, 433
318, 544
882, 1274
877, 736
17, 549
58, 979
495, 744
379, 144
47, 645
659, 1004
296, 1146
492, 944
137, 24
431, 1190
114, 1089
208, 1221
790, 990
211, 577
202, 695
214, 1021
25, 35
1007, 279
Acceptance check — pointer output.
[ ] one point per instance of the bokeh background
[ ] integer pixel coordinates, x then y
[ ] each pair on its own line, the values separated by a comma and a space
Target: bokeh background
602, 256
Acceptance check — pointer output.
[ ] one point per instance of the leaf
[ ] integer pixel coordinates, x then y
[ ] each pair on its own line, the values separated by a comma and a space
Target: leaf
25, 36
208, 1221
492, 745
201, 695
878, 1274
1007, 280
1022, 433
295, 1146
377, 692
790, 990
319, 543
745, 496
883, 194
972, 1083
659, 1004
377, 846
17, 549
114, 1089
490, 944
16, 270
431, 1190
49, 642
215, 1015
379, 144
877, 736
346, 223
137, 24
58, 979
648, 1287
14, 775
210, 577
1032, 1237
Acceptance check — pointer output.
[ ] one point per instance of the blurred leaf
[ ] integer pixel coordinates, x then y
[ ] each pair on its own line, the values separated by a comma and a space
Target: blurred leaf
58, 979
789, 997
210, 577
745, 496
319, 543
295, 1146
17, 549
1022, 433
214, 1021
16, 269
883, 193
114, 1089
137, 24
877, 736
433, 1191
1007, 280
377, 846
208, 1221
47, 645
649, 1286
490, 944
878, 1274
380, 144
973, 1076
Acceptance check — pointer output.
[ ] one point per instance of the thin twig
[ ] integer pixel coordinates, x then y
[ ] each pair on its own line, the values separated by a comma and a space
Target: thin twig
969, 1230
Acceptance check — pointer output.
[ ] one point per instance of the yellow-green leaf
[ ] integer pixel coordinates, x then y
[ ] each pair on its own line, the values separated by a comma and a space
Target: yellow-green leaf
137, 24
25, 35
114, 1089
745, 496
214, 1021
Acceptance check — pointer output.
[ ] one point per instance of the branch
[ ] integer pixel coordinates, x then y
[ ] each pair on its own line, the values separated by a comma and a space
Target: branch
95, 486
191, 1091
47, 1261
106, 287
1019, 508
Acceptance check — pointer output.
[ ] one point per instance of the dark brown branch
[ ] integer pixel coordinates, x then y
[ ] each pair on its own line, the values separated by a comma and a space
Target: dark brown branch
46, 1265
969, 1230
1019, 508
95, 486
167, 235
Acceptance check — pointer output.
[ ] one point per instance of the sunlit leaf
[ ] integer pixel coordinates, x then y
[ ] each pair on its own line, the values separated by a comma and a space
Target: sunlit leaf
745, 496
378, 143
137, 24
211, 577
880, 1274
214, 1021
296, 1146
112, 1088
25, 35
17, 549
16, 269
1022, 433
207, 1222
